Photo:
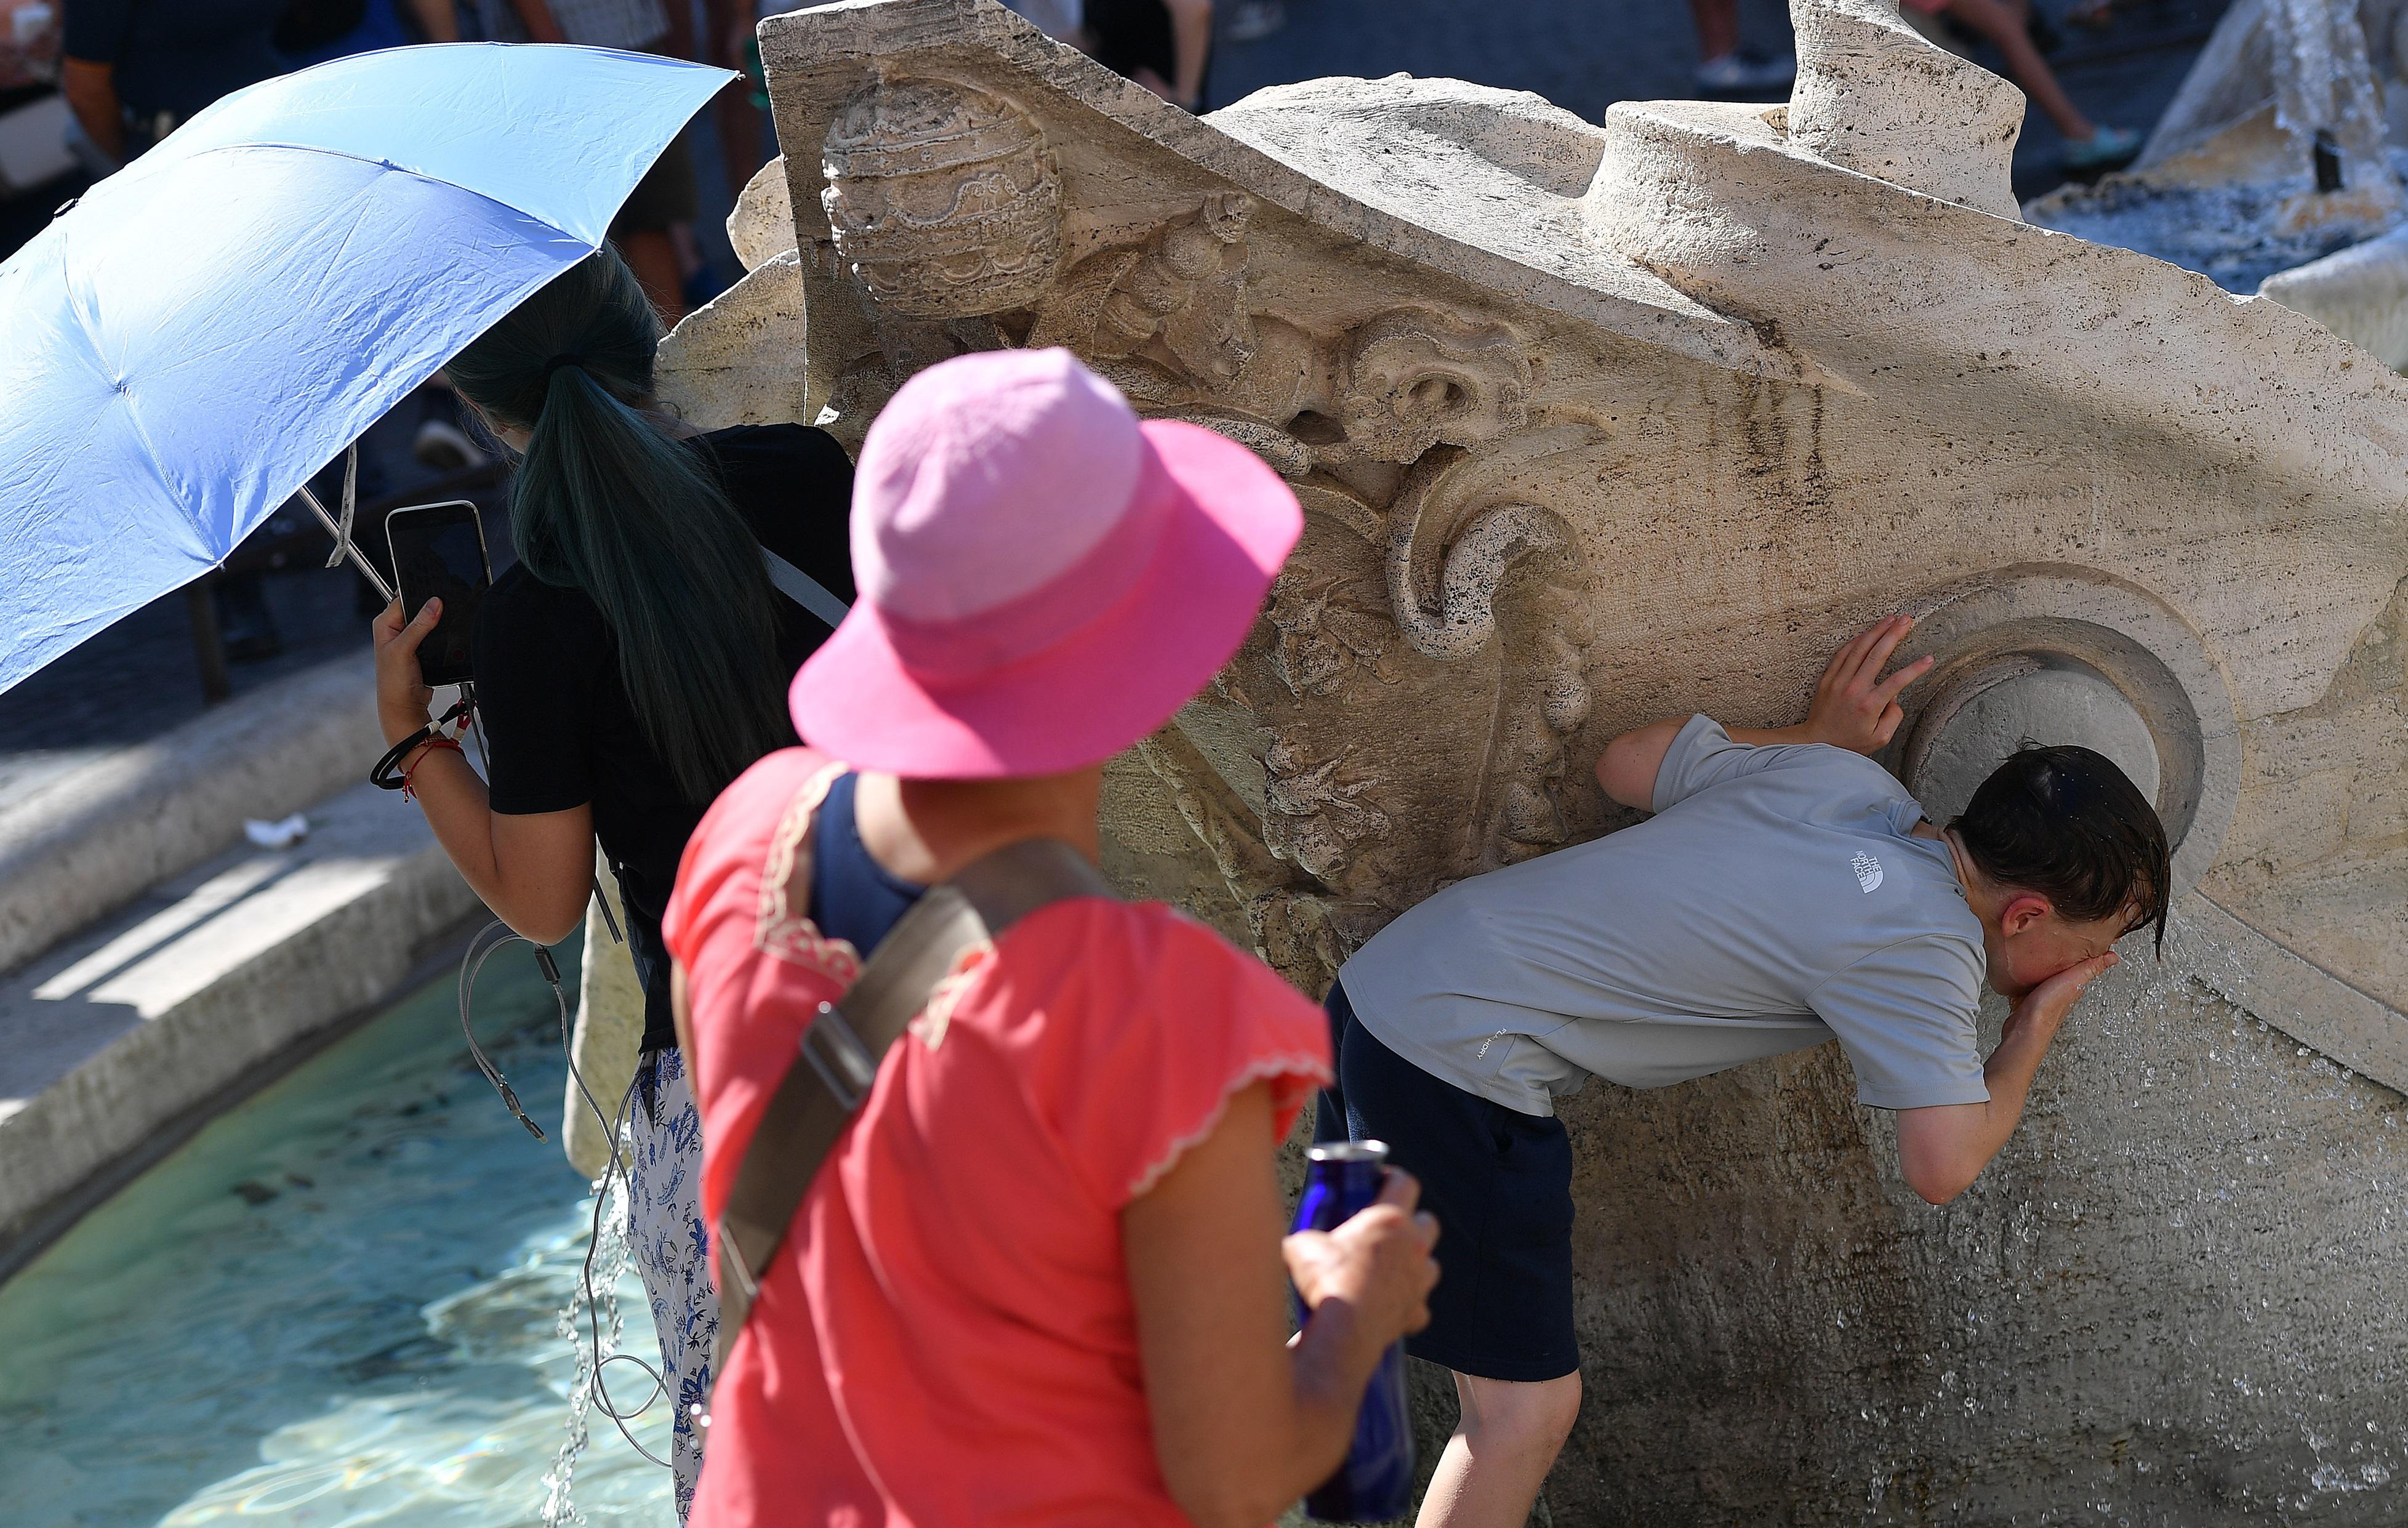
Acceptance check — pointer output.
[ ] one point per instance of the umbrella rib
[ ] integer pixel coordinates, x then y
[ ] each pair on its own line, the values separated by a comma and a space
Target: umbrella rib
393, 168
103, 366
107, 371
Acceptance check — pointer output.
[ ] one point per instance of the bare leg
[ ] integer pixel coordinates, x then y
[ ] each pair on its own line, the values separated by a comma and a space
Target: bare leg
1717, 22
2002, 23
1503, 1446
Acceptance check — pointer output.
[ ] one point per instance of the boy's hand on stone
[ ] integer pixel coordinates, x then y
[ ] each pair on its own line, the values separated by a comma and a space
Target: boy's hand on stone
1377, 1264
1854, 708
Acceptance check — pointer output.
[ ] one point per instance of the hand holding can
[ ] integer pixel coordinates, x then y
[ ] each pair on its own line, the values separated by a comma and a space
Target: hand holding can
1359, 1243
1377, 1260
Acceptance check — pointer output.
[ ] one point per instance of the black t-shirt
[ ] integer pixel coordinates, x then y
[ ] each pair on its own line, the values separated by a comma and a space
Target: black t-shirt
560, 731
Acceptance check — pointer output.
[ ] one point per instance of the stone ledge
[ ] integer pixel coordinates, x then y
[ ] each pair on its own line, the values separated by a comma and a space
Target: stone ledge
138, 1023
2302, 999
85, 846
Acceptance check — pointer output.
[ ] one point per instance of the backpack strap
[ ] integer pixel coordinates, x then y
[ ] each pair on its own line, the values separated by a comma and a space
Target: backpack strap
801, 589
842, 1047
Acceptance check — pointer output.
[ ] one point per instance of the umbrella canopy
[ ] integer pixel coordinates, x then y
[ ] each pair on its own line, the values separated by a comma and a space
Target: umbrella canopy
210, 325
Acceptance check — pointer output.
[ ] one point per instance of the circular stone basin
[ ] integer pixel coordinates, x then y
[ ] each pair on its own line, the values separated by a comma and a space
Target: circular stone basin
2026, 699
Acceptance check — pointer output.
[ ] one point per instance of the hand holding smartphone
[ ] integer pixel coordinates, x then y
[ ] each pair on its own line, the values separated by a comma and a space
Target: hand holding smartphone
439, 551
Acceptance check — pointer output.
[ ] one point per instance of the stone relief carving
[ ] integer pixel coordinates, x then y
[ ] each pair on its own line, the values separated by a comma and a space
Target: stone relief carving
1418, 377
1450, 547
943, 200
1319, 810
1547, 700
1407, 430
1176, 301
1325, 630
1456, 533
1298, 928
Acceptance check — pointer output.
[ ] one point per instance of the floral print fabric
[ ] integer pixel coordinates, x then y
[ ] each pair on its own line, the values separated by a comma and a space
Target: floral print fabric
671, 1250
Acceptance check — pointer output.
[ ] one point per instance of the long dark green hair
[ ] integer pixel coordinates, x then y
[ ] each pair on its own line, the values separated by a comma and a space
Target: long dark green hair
607, 501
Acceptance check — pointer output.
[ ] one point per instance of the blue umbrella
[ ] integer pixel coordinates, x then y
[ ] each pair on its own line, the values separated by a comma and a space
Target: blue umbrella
208, 328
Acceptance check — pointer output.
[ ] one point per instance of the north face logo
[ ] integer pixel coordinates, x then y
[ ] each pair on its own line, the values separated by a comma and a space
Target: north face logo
1868, 871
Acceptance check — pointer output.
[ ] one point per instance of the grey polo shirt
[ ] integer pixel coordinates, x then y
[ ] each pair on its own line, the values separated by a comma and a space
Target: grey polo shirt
1776, 899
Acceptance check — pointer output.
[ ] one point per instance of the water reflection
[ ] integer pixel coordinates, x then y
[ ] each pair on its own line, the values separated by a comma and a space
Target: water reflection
336, 1306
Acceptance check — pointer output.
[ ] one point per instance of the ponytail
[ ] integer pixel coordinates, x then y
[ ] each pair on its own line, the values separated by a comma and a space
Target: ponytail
606, 502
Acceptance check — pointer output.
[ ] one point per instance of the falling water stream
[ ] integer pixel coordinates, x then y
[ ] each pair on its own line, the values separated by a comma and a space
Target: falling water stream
2238, 231
337, 1305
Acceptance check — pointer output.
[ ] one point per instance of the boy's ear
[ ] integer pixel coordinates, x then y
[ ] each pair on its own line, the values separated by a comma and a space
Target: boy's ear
2024, 910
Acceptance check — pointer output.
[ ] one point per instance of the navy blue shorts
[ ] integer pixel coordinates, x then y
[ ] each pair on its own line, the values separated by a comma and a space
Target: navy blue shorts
1499, 1182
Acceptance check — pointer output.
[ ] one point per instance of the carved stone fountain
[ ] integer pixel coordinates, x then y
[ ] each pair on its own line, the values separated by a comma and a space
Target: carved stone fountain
1595, 424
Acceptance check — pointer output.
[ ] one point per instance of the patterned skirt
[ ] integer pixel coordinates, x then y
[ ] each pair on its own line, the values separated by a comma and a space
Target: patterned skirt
672, 1252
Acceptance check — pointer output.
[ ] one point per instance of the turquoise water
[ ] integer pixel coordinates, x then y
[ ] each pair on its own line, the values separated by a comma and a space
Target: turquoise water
335, 1306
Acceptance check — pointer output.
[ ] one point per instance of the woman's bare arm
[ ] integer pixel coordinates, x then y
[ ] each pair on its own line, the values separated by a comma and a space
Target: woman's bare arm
1191, 44
536, 871
1243, 1423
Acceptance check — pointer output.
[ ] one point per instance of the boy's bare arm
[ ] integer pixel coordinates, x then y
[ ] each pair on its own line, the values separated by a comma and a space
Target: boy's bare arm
1942, 1149
1853, 708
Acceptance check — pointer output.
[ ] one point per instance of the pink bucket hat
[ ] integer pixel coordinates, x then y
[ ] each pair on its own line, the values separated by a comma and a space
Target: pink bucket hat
1044, 579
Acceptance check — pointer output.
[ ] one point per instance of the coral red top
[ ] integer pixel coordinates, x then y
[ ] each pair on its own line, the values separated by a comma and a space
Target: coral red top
947, 1336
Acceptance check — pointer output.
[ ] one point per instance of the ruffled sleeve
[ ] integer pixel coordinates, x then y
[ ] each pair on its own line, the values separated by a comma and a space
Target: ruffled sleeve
1142, 1025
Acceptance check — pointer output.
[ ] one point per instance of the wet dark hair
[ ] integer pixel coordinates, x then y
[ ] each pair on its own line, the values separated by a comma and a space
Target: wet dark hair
2066, 822
606, 501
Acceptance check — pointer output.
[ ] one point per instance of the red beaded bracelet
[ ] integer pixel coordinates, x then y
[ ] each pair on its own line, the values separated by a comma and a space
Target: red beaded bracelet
433, 744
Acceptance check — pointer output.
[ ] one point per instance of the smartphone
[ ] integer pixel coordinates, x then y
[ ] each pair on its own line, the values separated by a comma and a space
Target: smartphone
439, 551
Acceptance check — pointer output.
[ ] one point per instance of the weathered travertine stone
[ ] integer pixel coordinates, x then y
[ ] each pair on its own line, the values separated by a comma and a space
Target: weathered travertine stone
761, 227
2360, 293
1595, 424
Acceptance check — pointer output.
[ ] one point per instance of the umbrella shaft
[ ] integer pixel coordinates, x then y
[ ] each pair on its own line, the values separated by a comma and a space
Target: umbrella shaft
359, 559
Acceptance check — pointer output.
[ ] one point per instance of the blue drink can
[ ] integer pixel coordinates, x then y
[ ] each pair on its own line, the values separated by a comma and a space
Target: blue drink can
1376, 1482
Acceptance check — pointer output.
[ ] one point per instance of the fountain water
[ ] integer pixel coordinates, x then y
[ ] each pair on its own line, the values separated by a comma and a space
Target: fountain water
2277, 153
1594, 424
2325, 93
339, 1303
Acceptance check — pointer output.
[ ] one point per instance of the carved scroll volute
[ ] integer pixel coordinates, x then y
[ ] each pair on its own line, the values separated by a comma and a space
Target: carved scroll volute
1454, 535
1456, 532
